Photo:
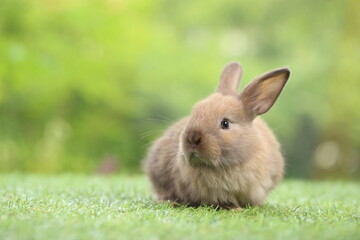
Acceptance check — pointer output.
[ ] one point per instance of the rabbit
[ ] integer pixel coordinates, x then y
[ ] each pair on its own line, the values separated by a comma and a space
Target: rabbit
223, 154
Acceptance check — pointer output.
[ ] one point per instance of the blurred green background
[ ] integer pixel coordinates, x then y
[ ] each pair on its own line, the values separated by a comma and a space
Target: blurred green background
86, 85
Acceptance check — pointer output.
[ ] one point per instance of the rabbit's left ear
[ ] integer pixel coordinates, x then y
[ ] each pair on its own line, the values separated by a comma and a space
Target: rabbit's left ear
229, 79
262, 92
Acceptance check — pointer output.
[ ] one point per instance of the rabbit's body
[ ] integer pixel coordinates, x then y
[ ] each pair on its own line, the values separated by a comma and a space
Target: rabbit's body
197, 162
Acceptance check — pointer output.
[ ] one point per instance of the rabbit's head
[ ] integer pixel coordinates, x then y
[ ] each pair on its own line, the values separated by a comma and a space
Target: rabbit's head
220, 131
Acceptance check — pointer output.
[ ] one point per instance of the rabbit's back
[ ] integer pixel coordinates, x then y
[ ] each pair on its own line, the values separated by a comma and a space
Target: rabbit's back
270, 152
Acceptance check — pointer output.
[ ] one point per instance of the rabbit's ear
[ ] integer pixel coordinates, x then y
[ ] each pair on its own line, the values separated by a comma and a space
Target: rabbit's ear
262, 92
229, 79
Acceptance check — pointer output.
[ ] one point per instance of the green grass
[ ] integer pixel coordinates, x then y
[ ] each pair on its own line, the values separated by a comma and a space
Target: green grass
122, 207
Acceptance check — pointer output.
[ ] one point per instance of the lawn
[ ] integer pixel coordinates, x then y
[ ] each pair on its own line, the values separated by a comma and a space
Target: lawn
121, 207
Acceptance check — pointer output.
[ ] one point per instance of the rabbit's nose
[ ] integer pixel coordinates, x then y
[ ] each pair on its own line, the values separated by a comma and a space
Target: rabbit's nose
194, 138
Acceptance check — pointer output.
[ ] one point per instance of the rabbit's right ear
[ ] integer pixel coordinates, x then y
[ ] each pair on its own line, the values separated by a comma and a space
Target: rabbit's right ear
229, 79
261, 93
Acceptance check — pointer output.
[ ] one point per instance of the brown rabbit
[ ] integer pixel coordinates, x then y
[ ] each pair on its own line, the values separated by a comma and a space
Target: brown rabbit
223, 154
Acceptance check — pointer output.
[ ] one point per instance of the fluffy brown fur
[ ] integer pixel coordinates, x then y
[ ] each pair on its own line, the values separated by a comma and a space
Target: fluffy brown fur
200, 161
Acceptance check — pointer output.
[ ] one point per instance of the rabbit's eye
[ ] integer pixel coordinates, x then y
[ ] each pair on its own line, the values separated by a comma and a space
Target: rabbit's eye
225, 124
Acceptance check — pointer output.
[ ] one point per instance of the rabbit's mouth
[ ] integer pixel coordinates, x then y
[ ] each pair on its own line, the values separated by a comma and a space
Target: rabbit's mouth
196, 160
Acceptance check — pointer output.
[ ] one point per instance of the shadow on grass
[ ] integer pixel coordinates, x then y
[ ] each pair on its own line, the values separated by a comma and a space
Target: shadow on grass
280, 212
